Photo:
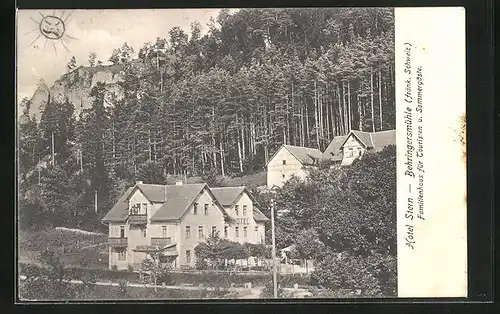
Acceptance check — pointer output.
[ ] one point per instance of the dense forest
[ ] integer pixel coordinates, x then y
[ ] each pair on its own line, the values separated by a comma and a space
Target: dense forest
215, 104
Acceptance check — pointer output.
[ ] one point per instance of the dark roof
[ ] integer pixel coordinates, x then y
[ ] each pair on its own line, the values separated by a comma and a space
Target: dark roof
306, 155
258, 215
119, 211
364, 137
382, 139
377, 140
179, 198
227, 195
155, 193
333, 151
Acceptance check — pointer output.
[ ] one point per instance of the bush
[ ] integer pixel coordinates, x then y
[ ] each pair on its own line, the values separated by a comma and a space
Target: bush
201, 264
114, 267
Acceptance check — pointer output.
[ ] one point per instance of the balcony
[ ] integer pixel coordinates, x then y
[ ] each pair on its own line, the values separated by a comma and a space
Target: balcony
161, 241
117, 242
138, 219
165, 245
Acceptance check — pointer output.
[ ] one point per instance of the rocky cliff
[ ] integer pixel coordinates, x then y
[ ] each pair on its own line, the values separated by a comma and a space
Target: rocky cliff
76, 86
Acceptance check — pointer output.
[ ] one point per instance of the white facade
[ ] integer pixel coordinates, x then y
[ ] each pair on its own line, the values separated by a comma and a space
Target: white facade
282, 167
245, 228
352, 149
201, 218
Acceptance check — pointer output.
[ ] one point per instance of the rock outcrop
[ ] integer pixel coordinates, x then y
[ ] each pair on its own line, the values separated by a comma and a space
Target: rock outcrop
76, 87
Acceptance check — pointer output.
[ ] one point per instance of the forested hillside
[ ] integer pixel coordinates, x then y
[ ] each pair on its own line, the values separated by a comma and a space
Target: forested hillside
221, 103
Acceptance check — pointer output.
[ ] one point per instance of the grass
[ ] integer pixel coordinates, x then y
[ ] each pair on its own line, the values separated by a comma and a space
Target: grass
74, 249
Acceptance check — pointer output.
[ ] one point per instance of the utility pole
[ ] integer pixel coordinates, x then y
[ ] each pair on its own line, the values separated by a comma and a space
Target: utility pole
95, 201
275, 281
53, 153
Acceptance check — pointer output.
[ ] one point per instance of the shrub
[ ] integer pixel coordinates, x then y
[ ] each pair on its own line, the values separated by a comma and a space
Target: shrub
114, 267
201, 264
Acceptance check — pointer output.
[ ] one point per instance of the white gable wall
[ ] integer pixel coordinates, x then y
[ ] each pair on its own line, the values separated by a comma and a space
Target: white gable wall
278, 173
352, 149
214, 218
241, 221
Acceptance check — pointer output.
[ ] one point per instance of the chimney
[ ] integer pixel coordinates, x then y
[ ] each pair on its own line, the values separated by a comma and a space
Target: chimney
138, 182
178, 182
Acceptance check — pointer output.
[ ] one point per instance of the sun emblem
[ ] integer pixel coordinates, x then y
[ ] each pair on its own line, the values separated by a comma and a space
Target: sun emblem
52, 28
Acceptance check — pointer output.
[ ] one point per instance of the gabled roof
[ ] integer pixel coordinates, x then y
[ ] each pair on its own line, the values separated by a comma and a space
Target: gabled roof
334, 150
155, 193
363, 137
228, 195
179, 198
258, 215
377, 140
382, 139
305, 155
119, 211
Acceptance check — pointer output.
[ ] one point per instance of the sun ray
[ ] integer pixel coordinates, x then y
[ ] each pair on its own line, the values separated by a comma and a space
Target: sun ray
34, 40
37, 22
62, 14
54, 13
55, 50
31, 31
45, 45
67, 17
70, 37
64, 45
43, 16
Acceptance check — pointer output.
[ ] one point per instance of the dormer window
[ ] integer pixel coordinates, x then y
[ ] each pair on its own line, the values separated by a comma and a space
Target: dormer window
244, 210
195, 209
284, 162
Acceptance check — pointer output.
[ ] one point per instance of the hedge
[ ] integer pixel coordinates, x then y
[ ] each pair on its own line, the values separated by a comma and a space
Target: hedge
208, 278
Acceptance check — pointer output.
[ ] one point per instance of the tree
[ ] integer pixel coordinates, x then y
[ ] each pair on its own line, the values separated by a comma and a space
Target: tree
211, 250
71, 64
122, 54
92, 59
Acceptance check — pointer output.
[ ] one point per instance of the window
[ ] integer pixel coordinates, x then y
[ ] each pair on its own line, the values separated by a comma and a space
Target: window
206, 209
122, 255
200, 232
225, 232
244, 232
237, 209
236, 232
283, 176
214, 230
135, 209
164, 231
359, 153
256, 229
122, 231
143, 232
195, 209
144, 208
188, 232
244, 210
284, 162
188, 257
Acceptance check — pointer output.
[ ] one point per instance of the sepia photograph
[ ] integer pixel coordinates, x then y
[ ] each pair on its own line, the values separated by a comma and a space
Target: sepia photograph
190, 154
